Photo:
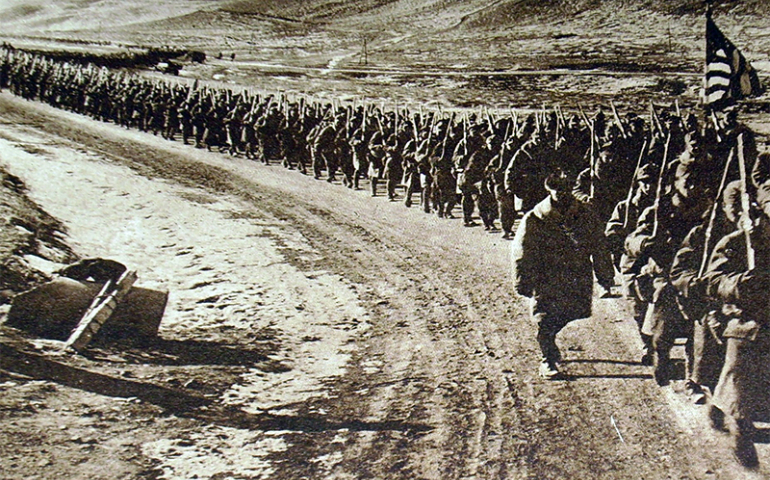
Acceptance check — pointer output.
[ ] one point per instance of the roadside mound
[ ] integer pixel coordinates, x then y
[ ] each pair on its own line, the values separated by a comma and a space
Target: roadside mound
27, 232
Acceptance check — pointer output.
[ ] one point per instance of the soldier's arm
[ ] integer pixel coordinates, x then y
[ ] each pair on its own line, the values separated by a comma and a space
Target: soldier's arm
639, 241
524, 257
600, 250
582, 189
727, 276
615, 231
686, 265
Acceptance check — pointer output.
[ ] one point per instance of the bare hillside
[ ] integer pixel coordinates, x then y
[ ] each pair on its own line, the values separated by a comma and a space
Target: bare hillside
474, 34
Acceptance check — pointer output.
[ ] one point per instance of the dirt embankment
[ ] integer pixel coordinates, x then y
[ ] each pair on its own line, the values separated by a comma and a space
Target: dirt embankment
27, 232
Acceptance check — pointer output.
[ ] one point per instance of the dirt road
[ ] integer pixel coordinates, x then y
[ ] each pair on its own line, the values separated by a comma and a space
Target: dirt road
314, 332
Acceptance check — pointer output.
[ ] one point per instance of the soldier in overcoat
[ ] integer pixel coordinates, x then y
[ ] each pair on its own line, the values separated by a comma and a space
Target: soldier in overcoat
558, 248
739, 276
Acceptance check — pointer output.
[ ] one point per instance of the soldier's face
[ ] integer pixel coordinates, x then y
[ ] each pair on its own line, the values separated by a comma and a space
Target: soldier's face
732, 211
560, 196
687, 186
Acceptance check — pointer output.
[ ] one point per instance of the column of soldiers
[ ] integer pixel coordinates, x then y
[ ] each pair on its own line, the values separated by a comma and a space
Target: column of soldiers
691, 242
686, 203
475, 162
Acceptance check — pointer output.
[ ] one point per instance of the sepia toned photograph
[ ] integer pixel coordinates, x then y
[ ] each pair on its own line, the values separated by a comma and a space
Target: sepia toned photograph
384, 239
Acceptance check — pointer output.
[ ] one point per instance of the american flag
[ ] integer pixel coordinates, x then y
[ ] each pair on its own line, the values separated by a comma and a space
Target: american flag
728, 77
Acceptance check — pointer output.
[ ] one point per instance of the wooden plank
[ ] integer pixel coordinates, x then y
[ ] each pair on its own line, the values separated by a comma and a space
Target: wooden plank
101, 309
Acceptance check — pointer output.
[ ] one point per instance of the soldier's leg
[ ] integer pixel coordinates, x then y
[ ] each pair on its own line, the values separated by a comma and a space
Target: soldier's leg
436, 194
507, 213
708, 351
468, 205
740, 393
634, 289
451, 201
392, 183
548, 326
302, 162
426, 197
667, 326
356, 179
409, 192
317, 166
640, 309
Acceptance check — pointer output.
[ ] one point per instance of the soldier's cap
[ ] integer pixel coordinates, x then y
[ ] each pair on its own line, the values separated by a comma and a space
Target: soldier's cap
558, 181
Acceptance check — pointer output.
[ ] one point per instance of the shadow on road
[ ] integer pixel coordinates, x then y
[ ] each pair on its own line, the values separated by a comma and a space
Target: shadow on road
181, 403
183, 352
622, 376
597, 360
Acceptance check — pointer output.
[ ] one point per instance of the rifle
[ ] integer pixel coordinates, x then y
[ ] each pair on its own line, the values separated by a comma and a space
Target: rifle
659, 190
420, 119
713, 214
654, 120
716, 125
502, 146
515, 119
583, 114
446, 135
591, 161
465, 134
617, 120
633, 180
379, 126
490, 121
745, 204
556, 137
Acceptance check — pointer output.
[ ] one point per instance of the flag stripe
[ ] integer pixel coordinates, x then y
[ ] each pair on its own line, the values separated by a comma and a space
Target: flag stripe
727, 75
713, 68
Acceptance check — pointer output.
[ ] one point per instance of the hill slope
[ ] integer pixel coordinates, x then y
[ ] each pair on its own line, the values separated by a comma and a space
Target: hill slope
434, 32
312, 45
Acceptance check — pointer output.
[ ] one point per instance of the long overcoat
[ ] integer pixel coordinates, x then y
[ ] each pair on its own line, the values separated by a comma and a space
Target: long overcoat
554, 258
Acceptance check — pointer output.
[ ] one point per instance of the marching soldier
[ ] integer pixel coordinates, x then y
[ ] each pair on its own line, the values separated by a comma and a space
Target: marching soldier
738, 275
622, 222
652, 246
698, 308
394, 166
558, 248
